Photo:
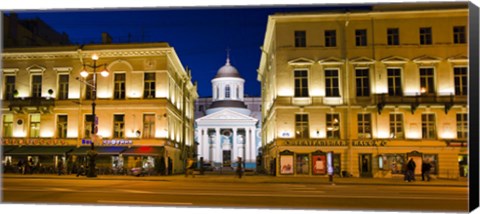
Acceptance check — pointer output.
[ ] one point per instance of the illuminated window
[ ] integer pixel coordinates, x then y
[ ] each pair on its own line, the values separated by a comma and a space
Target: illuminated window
300, 39
149, 85
361, 37
459, 35
330, 38
333, 125
36, 86
9, 87
118, 126
462, 125
63, 86
62, 123
332, 88
88, 125
301, 126
148, 126
362, 82
428, 126
364, 125
394, 82
425, 36
393, 36
461, 84
7, 125
119, 88
396, 126
34, 125
427, 83
301, 83
227, 91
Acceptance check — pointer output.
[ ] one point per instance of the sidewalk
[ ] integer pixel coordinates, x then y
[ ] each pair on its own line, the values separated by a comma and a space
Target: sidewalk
258, 179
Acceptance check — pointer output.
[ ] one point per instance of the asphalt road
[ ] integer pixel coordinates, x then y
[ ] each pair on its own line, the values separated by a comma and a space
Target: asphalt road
248, 195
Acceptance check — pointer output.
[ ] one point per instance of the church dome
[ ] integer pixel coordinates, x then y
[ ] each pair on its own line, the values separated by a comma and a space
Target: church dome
227, 71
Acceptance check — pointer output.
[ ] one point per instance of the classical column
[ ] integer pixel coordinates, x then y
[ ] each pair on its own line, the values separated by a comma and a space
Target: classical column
204, 143
218, 144
253, 147
247, 144
234, 146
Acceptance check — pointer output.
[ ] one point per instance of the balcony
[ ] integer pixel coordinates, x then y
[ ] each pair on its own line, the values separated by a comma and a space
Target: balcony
26, 105
414, 101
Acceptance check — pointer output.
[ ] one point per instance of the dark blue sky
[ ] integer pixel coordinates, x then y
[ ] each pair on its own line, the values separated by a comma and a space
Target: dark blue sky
200, 36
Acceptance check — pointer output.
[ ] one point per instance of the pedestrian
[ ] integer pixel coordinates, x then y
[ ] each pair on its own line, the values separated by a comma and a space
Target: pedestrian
411, 170
426, 166
81, 171
60, 167
330, 174
239, 169
189, 168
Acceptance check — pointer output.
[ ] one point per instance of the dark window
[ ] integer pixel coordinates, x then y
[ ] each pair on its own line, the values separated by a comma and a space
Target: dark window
301, 83
428, 126
149, 87
36, 86
394, 82
364, 125
148, 126
459, 35
119, 91
330, 38
200, 108
9, 87
332, 88
427, 83
425, 36
333, 125
88, 125
362, 82
396, 126
301, 126
462, 125
361, 37
62, 125
63, 86
461, 84
300, 39
393, 36
227, 91
118, 126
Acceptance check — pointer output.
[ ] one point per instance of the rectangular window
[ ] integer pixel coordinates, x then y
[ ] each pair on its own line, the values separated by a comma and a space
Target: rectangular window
333, 125
200, 108
364, 125
8, 125
394, 82
393, 36
362, 82
302, 164
88, 89
459, 35
427, 83
36, 86
425, 36
301, 126
330, 38
34, 125
9, 87
462, 125
88, 125
461, 84
63, 86
118, 126
62, 122
332, 88
148, 126
300, 39
119, 88
301, 83
396, 126
361, 37
428, 126
149, 87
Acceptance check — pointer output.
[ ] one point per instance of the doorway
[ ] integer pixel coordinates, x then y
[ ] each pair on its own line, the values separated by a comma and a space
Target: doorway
365, 165
227, 154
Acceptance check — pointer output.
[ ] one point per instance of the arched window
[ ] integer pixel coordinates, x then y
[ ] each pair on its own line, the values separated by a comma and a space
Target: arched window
238, 92
227, 91
218, 93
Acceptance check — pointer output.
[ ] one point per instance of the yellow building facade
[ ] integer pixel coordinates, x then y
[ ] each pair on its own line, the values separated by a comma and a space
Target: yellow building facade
364, 92
144, 107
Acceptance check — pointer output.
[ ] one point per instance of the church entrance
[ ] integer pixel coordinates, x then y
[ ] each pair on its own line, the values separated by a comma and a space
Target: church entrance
227, 158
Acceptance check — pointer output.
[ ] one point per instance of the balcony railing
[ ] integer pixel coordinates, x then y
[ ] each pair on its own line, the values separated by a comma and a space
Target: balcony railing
414, 101
32, 105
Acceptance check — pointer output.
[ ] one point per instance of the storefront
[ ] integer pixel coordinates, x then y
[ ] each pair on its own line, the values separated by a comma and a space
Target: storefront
108, 161
40, 159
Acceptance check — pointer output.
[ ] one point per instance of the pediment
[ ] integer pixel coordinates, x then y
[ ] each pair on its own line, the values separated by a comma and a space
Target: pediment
458, 59
226, 114
331, 61
36, 69
425, 59
301, 62
362, 60
394, 60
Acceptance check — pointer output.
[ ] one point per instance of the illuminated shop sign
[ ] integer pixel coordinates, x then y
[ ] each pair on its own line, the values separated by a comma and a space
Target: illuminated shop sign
316, 143
369, 143
33, 141
109, 142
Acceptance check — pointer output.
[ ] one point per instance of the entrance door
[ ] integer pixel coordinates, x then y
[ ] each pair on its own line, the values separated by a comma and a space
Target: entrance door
365, 165
227, 158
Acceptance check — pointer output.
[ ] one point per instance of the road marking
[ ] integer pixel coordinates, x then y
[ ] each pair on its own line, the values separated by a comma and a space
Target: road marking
135, 191
142, 202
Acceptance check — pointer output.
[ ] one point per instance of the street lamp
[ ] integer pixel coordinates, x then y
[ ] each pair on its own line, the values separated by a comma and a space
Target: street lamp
92, 154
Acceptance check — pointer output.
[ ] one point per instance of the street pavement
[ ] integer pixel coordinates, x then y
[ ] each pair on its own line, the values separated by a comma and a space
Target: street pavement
215, 178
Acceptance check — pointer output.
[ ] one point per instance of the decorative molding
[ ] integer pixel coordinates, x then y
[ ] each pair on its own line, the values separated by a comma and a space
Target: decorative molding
36, 69
394, 60
460, 59
301, 62
427, 60
84, 54
10, 70
331, 61
63, 70
362, 61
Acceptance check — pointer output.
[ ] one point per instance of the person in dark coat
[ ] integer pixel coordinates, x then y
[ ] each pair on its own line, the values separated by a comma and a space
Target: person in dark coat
239, 169
411, 170
426, 166
60, 167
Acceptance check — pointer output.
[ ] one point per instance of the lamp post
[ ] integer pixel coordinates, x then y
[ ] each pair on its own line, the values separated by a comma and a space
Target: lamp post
92, 154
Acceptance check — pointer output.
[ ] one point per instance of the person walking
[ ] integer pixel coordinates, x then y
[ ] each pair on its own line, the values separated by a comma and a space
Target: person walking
60, 167
411, 170
330, 174
426, 166
190, 167
239, 169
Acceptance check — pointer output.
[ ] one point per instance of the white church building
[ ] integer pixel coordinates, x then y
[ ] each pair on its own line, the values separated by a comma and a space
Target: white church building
226, 126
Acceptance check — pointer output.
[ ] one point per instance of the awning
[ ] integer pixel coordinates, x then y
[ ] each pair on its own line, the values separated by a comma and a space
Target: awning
101, 150
6, 149
40, 150
144, 151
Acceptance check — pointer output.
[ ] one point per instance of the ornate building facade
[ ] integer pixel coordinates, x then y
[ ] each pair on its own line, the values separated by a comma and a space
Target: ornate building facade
144, 110
364, 92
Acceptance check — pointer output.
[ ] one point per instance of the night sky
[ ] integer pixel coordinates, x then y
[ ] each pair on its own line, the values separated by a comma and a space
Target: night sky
200, 36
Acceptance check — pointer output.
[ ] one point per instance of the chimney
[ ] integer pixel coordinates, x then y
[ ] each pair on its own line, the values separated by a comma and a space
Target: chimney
106, 38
